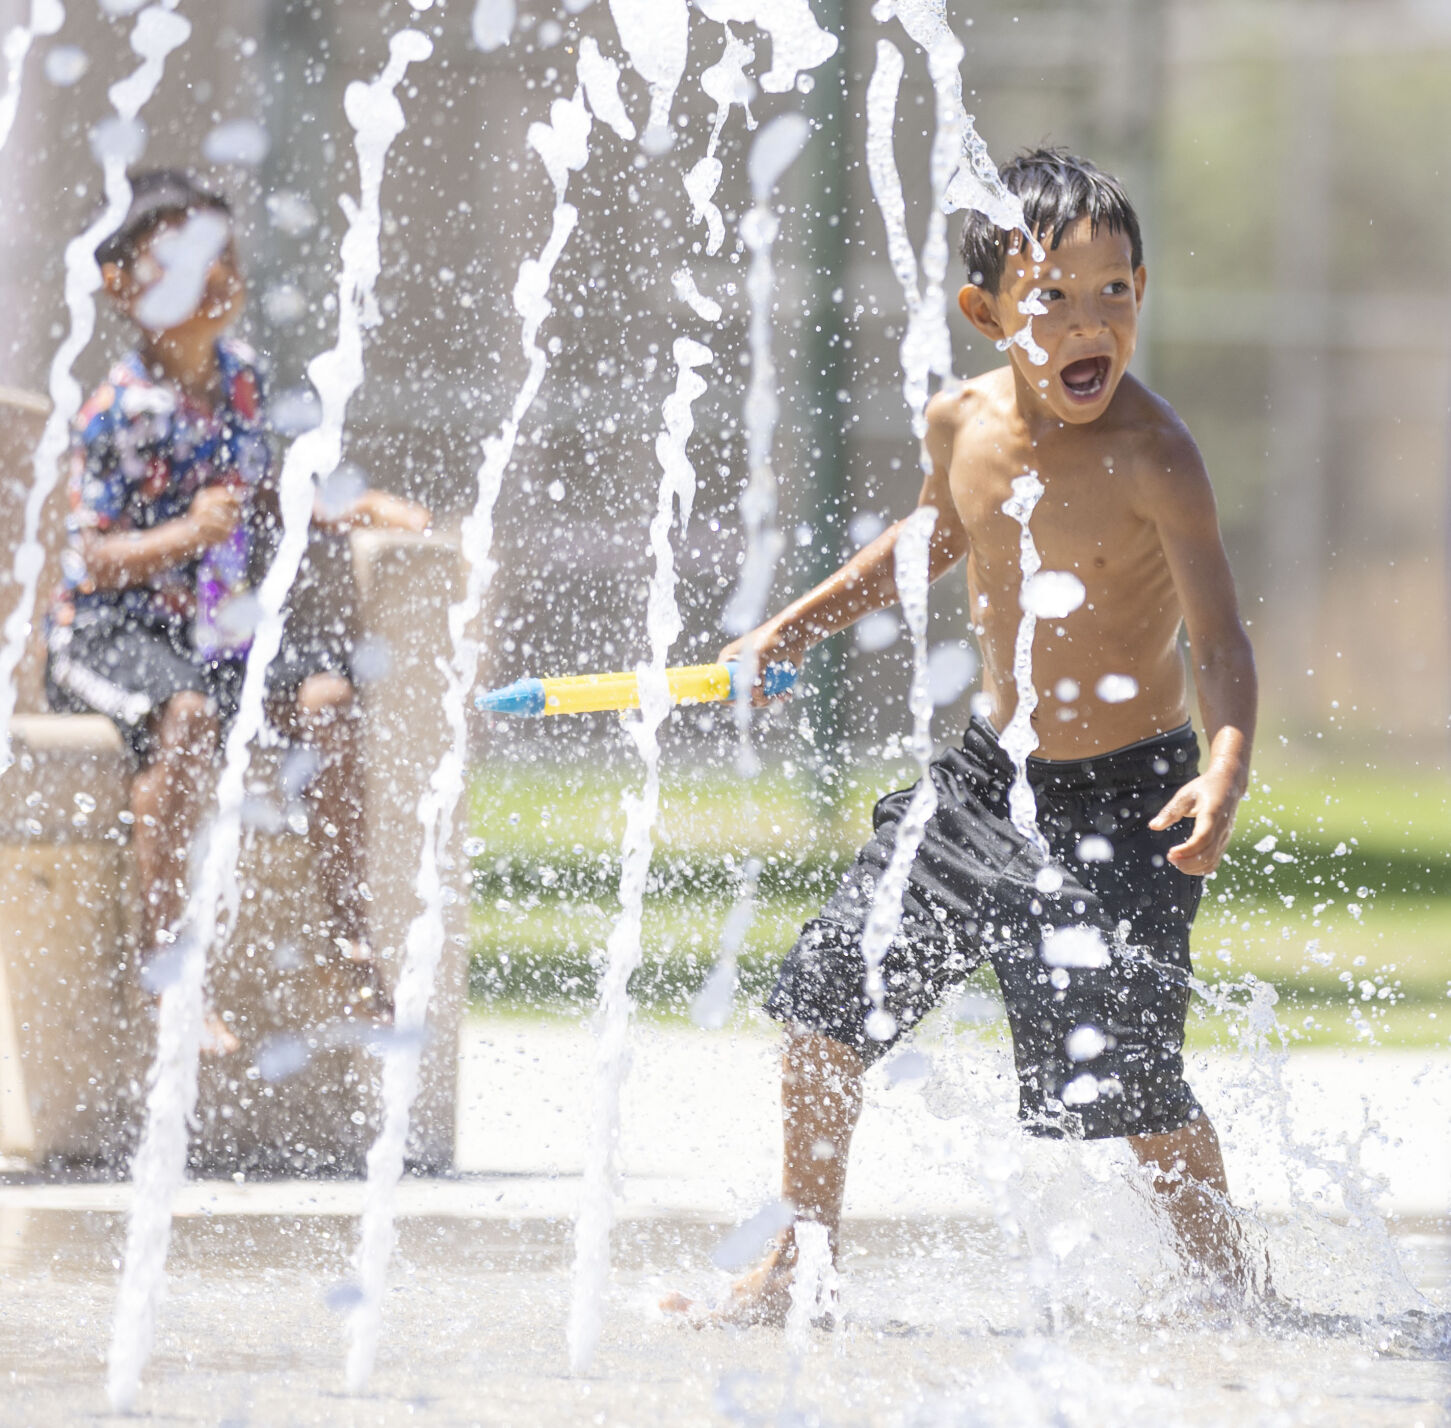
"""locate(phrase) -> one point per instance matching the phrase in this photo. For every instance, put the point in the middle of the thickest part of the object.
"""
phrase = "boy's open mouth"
(1085, 378)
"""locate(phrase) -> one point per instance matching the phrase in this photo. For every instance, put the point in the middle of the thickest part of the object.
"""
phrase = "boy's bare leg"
(1188, 1174)
(821, 1098)
(327, 722)
(166, 800)
(166, 803)
(326, 718)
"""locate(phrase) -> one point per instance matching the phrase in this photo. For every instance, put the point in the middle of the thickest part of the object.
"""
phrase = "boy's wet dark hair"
(1056, 188)
(156, 196)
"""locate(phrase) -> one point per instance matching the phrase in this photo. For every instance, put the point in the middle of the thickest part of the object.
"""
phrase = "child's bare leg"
(821, 1098)
(1188, 1173)
(327, 721)
(166, 803)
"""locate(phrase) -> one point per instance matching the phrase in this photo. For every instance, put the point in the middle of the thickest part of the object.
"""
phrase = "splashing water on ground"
(563, 147)
(159, 1167)
(623, 951)
(1047, 1210)
(773, 151)
(813, 1286)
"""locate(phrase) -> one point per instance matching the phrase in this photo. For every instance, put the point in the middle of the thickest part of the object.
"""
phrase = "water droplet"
(239, 141)
(1085, 1043)
(1052, 594)
(65, 64)
(1116, 688)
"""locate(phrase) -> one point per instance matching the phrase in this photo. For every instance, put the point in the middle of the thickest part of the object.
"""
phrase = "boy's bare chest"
(1082, 520)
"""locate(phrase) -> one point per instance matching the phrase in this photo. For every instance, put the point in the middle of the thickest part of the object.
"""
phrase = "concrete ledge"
(70, 779)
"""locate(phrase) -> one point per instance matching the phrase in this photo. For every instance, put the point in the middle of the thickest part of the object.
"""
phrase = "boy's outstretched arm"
(1181, 504)
(867, 582)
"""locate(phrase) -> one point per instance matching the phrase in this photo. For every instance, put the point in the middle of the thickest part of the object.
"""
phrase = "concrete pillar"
(404, 587)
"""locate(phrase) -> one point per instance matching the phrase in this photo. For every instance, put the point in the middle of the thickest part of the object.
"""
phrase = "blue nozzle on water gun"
(524, 697)
(775, 678)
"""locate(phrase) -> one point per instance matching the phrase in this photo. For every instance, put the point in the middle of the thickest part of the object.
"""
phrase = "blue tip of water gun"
(524, 696)
(775, 678)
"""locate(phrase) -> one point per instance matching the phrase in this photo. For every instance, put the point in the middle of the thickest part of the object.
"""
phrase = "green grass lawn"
(1347, 911)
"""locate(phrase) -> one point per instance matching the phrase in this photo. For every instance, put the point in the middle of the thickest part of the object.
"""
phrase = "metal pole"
(825, 199)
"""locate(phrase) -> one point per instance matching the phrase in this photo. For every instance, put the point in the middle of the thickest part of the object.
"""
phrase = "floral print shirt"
(141, 449)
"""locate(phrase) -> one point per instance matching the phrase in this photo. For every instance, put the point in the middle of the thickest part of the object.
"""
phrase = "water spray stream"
(917, 350)
(963, 173)
(912, 557)
(774, 149)
(623, 949)
(563, 146)
(727, 83)
(926, 346)
(1019, 739)
(46, 17)
(814, 1287)
(656, 36)
(117, 143)
(160, 1164)
(772, 153)
(654, 56)
(925, 351)
(798, 44)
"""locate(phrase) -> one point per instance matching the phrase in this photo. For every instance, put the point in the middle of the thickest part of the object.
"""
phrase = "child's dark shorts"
(1099, 1050)
(126, 666)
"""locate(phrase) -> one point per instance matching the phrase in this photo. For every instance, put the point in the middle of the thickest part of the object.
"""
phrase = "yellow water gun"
(590, 693)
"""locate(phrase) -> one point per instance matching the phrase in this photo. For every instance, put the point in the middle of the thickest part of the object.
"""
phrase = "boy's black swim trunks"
(1099, 1049)
(126, 665)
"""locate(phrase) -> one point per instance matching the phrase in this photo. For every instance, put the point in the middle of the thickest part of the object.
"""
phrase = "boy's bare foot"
(217, 1038)
(763, 1296)
(359, 980)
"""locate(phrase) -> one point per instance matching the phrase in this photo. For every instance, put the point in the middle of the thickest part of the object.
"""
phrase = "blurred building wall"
(1290, 158)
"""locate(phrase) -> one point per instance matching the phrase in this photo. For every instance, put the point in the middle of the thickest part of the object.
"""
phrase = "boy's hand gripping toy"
(589, 693)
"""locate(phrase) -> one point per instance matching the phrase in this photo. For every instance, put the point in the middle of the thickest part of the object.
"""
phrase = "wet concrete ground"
(947, 1319)
(474, 1334)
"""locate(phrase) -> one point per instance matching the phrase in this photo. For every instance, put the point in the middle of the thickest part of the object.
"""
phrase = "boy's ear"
(116, 281)
(980, 308)
(1141, 277)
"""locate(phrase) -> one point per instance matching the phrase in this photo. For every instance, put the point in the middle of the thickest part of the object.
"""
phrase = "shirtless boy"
(1127, 508)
